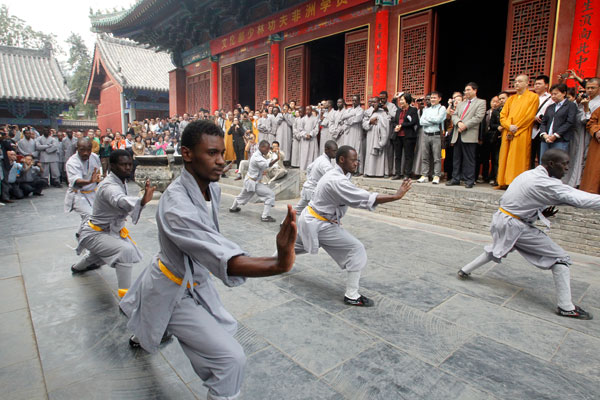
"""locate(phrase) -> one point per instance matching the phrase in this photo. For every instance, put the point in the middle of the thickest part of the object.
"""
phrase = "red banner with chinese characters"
(585, 41)
(381, 51)
(295, 16)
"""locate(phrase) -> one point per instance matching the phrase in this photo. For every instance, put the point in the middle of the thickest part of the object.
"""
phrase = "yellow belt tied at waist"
(509, 214)
(171, 275)
(84, 191)
(124, 232)
(317, 216)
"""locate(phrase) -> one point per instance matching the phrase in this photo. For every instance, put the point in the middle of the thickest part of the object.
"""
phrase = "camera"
(584, 95)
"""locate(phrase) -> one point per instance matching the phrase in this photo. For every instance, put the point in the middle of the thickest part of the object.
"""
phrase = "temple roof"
(32, 75)
(179, 25)
(135, 66)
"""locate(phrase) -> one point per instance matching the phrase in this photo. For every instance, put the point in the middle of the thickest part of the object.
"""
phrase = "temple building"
(33, 90)
(128, 82)
(230, 52)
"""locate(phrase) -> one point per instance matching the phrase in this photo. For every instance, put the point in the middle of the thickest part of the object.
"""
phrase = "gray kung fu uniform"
(314, 173)
(193, 249)
(331, 199)
(27, 147)
(283, 133)
(257, 166)
(47, 148)
(265, 129)
(112, 206)
(81, 199)
(297, 128)
(526, 197)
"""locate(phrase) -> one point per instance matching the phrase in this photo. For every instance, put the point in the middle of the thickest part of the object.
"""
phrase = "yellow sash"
(84, 191)
(171, 275)
(317, 216)
(124, 233)
(509, 214)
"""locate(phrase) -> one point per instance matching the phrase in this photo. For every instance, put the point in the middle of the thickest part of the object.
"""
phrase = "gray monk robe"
(319, 224)
(265, 128)
(377, 139)
(191, 250)
(297, 128)
(104, 234)
(283, 124)
(81, 198)
(309, 147)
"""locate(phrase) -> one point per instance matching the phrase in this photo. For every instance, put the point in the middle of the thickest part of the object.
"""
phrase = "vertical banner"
(214, 85)
(382, 19)
(274, 70)
(585, 40)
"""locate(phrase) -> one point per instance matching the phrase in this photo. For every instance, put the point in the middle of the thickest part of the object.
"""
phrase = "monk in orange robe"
(229, 151)
(517, 119)
(590, 181)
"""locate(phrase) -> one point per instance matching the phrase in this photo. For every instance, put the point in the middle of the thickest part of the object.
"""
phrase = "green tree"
(77, 79)
(15, 32)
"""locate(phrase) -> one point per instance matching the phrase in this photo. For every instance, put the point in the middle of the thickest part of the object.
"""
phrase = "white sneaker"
(436, 180)
(422, 179)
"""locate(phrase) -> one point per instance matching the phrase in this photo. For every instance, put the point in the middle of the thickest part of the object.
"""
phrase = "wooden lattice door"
(529, 36)
(261, 75)
(227, 88)
(415, 53)
(355, 64)
(296, 79)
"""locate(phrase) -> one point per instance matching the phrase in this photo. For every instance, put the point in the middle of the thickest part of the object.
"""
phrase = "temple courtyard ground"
(430, 335)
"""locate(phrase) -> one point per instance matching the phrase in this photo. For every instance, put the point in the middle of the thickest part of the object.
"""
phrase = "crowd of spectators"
(460, 139)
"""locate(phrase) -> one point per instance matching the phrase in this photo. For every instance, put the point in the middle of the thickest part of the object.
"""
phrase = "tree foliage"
(80, 63)
(15, 32)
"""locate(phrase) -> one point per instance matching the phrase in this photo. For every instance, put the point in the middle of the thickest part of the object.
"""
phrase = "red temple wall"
(109, 108)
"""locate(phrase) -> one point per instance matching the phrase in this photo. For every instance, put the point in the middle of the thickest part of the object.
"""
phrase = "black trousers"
(535, 151)
(464, 161)
(238, 148)
(31, 187)
(487, 160)
(408, 145)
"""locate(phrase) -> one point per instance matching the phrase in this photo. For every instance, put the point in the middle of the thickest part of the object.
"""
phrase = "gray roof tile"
(135, 66)
(31, 75)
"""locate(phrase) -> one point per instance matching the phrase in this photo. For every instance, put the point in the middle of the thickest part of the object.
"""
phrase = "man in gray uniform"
(84, 171)
(47, 147)
(252, 185)
(176, 291)
(315, 172)
(104, 235)
(532, 196)
(319, 224)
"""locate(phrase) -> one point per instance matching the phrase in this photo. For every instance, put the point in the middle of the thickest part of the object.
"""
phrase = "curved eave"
(137, 16)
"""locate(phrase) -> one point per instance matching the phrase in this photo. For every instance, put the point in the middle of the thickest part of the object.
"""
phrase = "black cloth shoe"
(267, 219)
(362, 301)
(80, 271)
(38, 194)
(397, 177)
(237, 209)
(469, 185)
(134, 342)
(578, 313)
(463, 275)
(452, 183)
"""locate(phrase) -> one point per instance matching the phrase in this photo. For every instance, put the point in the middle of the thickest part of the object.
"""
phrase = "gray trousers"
(51, 169)
(216, 356)
(432, 146)
(262, 191)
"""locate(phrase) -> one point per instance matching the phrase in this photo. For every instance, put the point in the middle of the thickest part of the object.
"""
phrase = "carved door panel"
(529, 37)
(355, 64)
(261, 73)
(415, 53)
(227, 88)
(296, 75)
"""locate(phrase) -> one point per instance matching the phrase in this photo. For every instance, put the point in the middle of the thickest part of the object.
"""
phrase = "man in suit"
(488, 137)
(540, 87)
(466, 120)
(558, 123)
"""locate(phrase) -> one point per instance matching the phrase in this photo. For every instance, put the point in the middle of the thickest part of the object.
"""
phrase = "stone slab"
(18, 342)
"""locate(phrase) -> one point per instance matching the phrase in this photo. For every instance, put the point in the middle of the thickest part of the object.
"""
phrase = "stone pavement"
(430, 336)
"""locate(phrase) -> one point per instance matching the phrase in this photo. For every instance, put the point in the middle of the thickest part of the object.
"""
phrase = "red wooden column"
(274, 66)
(177, 92)
(214, 83)
(382, 18)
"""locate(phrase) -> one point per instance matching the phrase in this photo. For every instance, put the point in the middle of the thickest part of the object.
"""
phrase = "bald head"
(331, 149)
(556, 162)
(84, 147)
(521, 83)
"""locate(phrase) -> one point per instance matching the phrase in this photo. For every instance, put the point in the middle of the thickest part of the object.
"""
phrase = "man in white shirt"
(540, 87)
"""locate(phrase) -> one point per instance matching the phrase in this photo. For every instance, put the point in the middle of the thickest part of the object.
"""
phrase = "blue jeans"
(556, 145)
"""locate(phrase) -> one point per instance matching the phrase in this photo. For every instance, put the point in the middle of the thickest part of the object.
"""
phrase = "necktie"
(465, 110)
